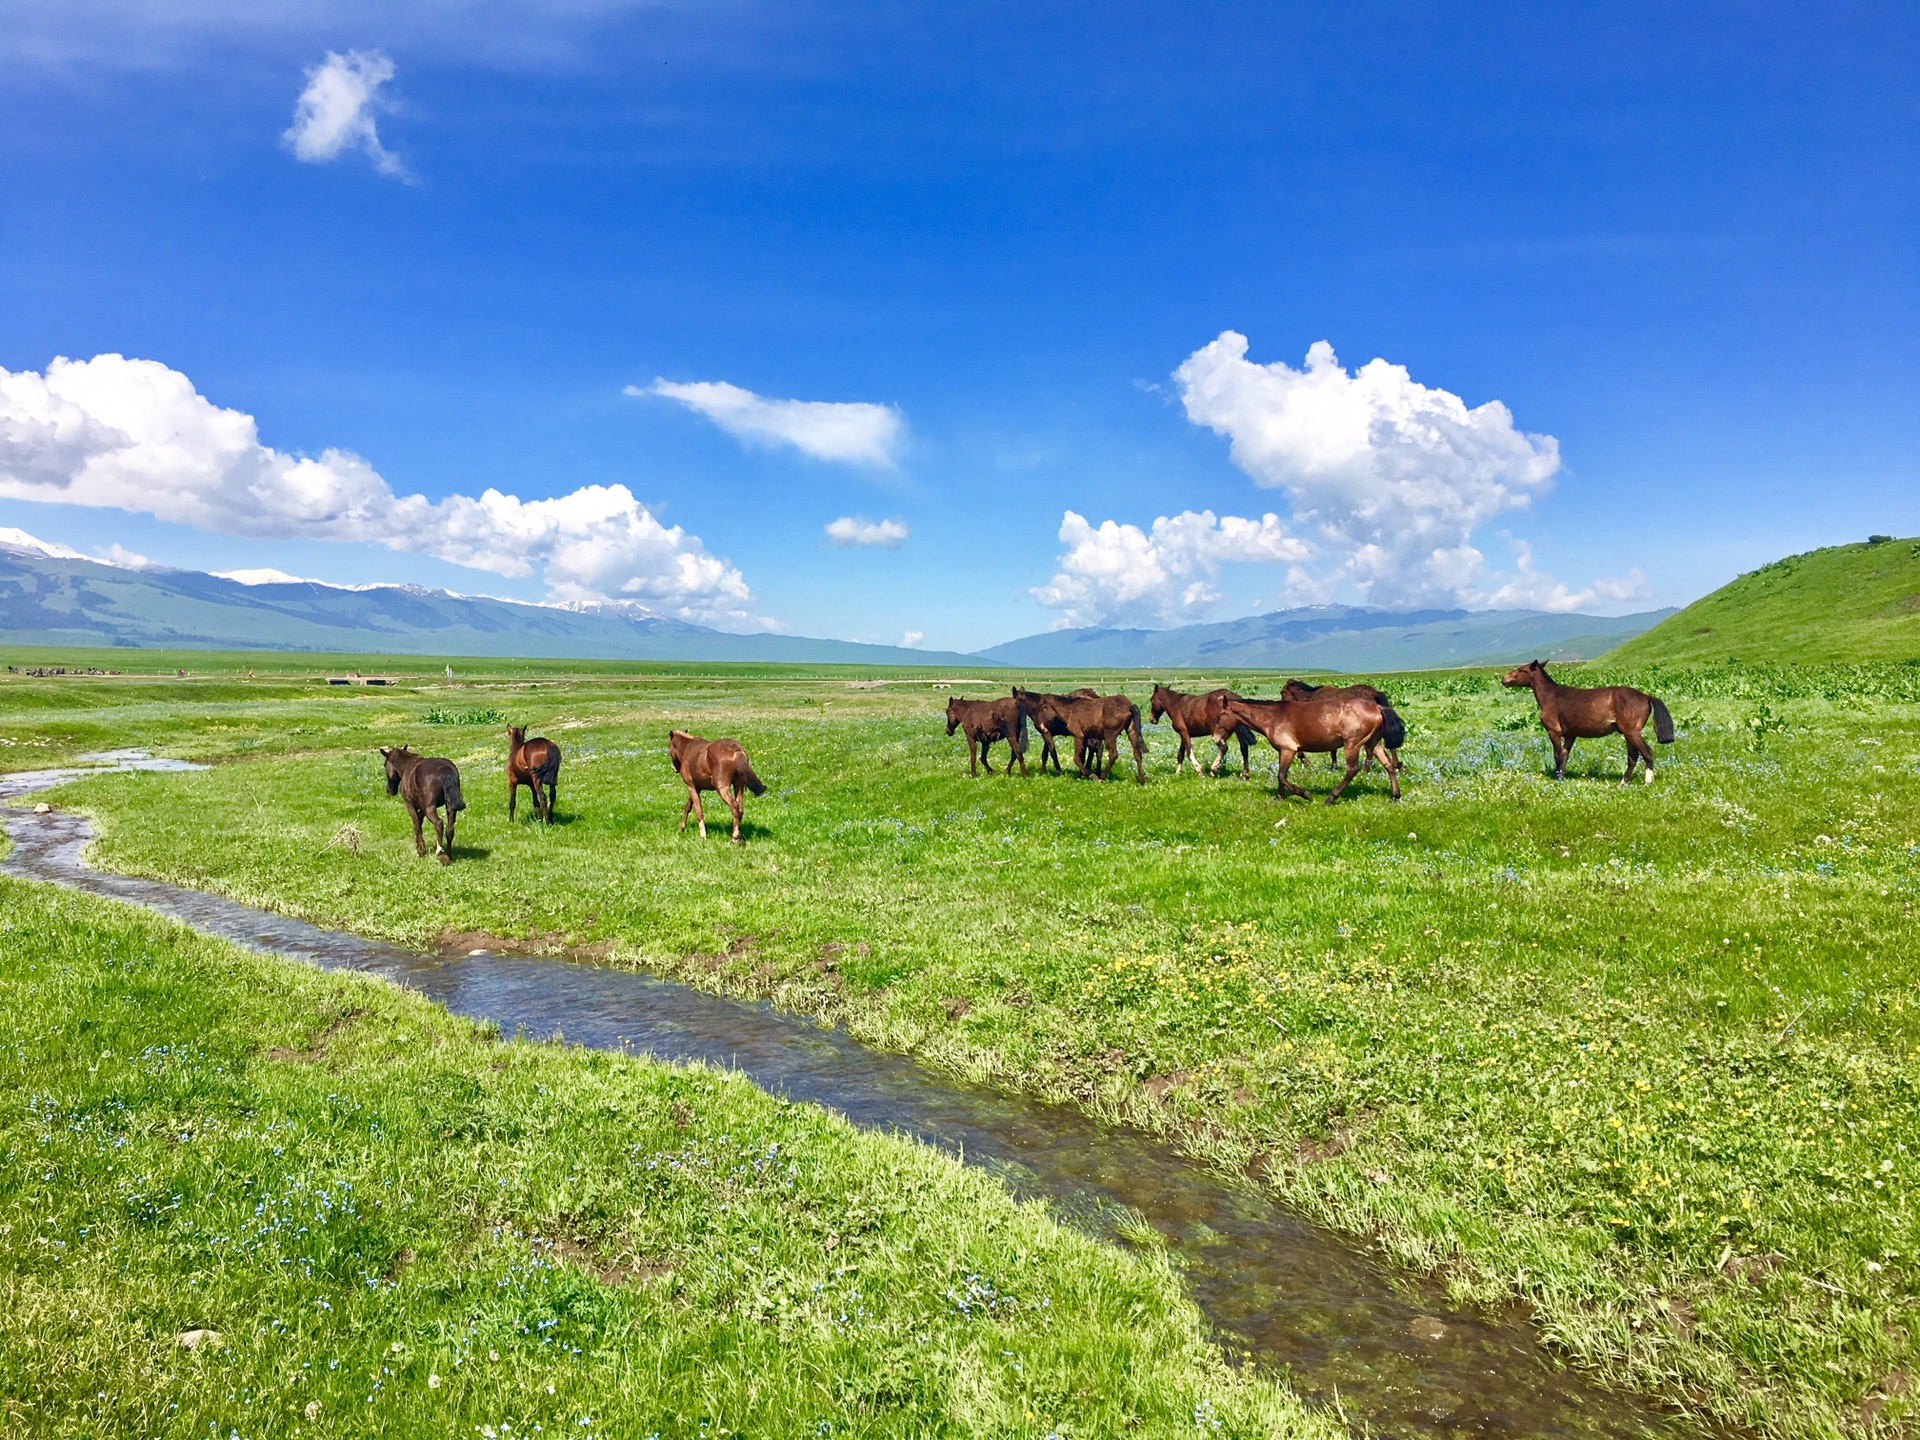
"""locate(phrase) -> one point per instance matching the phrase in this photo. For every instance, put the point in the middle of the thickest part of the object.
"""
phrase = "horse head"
(1161, 696)
(395, 759)
(516, 736)
(1521, 676)
(953, 714)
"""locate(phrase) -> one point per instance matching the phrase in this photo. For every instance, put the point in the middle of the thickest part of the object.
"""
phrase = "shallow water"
(1385, 1347)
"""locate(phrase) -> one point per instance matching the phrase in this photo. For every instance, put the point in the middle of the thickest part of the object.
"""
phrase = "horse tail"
(1393, 730)
(743, 772)
(455, 801)
(1662, 721)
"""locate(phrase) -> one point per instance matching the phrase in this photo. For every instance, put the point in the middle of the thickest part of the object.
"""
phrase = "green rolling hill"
(1846, 603)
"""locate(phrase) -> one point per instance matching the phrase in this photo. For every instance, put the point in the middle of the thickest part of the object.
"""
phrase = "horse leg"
(973, 759)
(453, 817)
(1286, 786)
(539, 798)
(419, 841)
(1246, 756)
(439, 836)
(1353, 769)
(1637, 744)
(699, 811)
(686, 810)
(1561, 748)
(553, 794)
(986, 746)
(732, 798)
(513, 797)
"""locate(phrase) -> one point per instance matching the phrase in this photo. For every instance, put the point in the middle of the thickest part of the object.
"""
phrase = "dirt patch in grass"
(316, 1048)
(455, 944)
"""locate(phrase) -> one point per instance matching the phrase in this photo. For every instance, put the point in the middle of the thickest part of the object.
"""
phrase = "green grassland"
(1646, 1058)
(394, 1223)
(1846, 603)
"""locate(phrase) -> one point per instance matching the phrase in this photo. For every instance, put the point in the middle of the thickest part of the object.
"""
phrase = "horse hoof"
(446, 859)
(1648, 777)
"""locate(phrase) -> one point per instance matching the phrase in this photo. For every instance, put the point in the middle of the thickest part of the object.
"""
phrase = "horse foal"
(717, 765)
(426, 784)
(535, 764)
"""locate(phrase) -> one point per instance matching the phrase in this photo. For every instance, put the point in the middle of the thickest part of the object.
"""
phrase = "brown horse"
(717, 765)
(1570, 713)
(535, 764)
(1355, 726)
(1095, 722)
(1054, 725)
(1202, 715)
(425, 784)
(986, 721)
(1396, 727)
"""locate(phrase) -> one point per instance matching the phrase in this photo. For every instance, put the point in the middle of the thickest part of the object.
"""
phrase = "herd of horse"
(1354, 722)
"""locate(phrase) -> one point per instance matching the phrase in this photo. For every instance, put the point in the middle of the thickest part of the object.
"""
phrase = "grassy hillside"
(1847, 603)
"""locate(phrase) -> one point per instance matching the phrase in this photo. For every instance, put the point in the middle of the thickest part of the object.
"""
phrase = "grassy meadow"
(1643, 1058)
(241, 1198)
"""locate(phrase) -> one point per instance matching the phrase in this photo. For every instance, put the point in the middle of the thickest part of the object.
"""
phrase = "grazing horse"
(535, 764)
(717, 765)
(1356, 725)
(1095, 722)
(425, 784)
(986, 721)
(1202, 715)
(1570, 713)
(1052, 726)
(1396, 727)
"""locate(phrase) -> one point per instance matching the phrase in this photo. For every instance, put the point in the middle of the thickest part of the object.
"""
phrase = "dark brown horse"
(1570, 713)
(1396, 728)
(426, 784)
(1355, 726)
(1206, 714)
(986, 721)
(1095, 722)
(717, 765)
(1054, 725)
(535, 764)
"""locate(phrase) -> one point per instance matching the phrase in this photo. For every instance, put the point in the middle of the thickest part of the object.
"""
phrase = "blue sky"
(1678, 248)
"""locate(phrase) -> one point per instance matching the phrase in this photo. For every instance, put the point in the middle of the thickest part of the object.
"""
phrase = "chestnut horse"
(1570, 713)
(717, 765)
(1356, 725)
(426, 783)
(1396, 728)
(1095, 722)
(986, 721)
(1202, 715)
(1054, 725)
(535, 764)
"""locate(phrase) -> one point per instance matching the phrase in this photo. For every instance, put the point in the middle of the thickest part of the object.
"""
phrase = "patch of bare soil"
(456, 943)
(583, 1255)
(316, 1047)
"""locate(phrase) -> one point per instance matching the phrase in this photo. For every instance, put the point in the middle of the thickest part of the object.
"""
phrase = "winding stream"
(1384, 1347)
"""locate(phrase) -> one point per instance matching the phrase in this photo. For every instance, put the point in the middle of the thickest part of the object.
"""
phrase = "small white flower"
(433, 1382)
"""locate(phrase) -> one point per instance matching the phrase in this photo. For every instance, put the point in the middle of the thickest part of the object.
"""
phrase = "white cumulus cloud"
(135, 435)
(855, 432)
(1532, 589)
(1116, 573)
(1392, 477)
(335, 113)
(912, 638)
(858, 530)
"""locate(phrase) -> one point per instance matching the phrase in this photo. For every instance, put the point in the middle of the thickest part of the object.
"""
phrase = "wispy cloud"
(855, 432)
(335, 113)
(135, 435)
(857, 530)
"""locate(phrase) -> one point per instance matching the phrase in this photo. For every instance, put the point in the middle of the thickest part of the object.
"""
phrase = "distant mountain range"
(50, 595)
(1335, 638)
